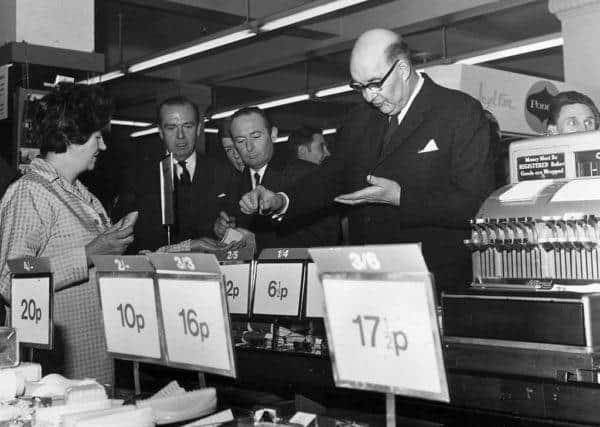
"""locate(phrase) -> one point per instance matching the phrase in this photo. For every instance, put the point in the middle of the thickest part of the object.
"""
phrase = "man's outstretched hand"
(261, 200)
(380, 190)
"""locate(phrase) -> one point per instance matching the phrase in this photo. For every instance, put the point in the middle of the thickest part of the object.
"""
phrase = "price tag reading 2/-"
(196, 324)
(277, 289)
(130, 316)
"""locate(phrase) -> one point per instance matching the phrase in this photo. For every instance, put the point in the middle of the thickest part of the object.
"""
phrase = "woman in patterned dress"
(49, 213)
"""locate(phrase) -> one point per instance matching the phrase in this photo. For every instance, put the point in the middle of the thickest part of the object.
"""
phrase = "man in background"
(571, 112)
(253, 135)
(309, 144)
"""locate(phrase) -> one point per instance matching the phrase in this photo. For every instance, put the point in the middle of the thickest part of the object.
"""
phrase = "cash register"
(533, 307)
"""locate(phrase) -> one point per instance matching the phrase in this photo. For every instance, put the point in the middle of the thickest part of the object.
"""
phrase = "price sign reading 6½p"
(277, 289)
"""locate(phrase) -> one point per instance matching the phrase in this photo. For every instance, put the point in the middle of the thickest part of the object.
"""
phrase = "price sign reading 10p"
(381, 321)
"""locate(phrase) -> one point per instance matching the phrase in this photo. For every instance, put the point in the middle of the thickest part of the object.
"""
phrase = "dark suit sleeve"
(452, 202)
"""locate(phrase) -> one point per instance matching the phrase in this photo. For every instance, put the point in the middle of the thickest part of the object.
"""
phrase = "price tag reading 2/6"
(30, 313)
(237, 287)
(277, 289)
(195, 324)
(130, 316)
(381, 335)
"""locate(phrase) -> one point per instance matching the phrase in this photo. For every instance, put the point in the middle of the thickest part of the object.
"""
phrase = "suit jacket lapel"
(412, 120)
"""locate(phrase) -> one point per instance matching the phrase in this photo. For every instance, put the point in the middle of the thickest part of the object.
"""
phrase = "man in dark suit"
(253, 135)
(196, 177)
(423, 152)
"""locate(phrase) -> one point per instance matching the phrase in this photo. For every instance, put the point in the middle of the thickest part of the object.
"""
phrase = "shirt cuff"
(286, 204)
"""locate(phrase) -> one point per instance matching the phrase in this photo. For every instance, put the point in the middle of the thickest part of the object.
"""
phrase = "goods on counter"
(181, 406)
(9, 347)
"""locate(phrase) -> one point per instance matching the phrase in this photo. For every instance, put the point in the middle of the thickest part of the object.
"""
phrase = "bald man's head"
(380, 65)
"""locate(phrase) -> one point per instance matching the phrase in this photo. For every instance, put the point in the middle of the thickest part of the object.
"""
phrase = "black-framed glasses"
(375, 85)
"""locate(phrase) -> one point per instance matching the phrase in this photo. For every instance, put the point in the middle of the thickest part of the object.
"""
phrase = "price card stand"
(193, 311)
(237, 267)
(32, 297)
(129, 309)
(381, 321)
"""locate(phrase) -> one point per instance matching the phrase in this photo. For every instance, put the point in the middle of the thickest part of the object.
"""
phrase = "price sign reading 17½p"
(381, 323)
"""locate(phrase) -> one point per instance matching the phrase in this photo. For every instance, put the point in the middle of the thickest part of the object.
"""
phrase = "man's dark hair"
(398, 49)
(178, 100)
(569, 98)
(302, 136)
(252, 110)
(69, 114)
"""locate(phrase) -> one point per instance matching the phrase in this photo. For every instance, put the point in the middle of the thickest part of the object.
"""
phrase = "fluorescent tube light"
(103, 78)
(333, 91)
(513, 49)
(129, 123)
(211, 130)
(281, 139)
(329, 131)
(223, 114)
(283, 101)
(203, 46)
(144, 132)
(306, 14)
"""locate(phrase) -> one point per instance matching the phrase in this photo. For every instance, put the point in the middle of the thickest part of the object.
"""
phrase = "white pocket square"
(431, 146)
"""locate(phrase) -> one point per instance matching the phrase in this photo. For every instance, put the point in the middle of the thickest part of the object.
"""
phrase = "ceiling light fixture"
(514, 49)
(333, 91)
(219, 40)
(329, 131)
(129, 123)
(111, 75)
(155, 130)
(211, 130)
(223, 114)
(281, 139)
(264, 105)
(304, 13)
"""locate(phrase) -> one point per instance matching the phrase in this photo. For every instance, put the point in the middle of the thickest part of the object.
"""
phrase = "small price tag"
(314, 292)
(196, 324)
(31, 312)
(278, 288)
(237, 287)
(185, 263)
(130, 316)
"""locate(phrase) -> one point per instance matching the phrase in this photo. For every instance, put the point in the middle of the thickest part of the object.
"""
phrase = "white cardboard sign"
(314, 292)
(237, 287)
(30, 313)
(195, 324)
(383, 336)
(130, 316)
(277, 289)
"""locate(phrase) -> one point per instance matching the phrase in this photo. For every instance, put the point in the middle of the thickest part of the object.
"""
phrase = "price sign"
(196, 324)
(130, 316)
(237, 287)
(314, 292)
(382, 326)
(277, 289)
(31, 301)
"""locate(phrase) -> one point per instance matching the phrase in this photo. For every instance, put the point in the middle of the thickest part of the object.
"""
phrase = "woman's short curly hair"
(69, 114)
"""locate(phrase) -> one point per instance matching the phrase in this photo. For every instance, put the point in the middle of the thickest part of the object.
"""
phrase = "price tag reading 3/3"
(130, 316)
(277, 289)
(30, 313)
(196, 324)
(314, 292)
(381, 334)
(237, 287)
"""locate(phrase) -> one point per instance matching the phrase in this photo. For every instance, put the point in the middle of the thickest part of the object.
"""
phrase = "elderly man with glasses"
(414, 165)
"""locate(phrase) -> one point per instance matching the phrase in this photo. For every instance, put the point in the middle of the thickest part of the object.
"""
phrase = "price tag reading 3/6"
(195, 323)
(237, 286)
(381, 334)
(30, 313)
(277, 289)
(314, 292)
(130, 316)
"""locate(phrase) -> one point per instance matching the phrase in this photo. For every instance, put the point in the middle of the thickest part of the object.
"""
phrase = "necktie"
(389, 132)
(185, 177)
(256, 179)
